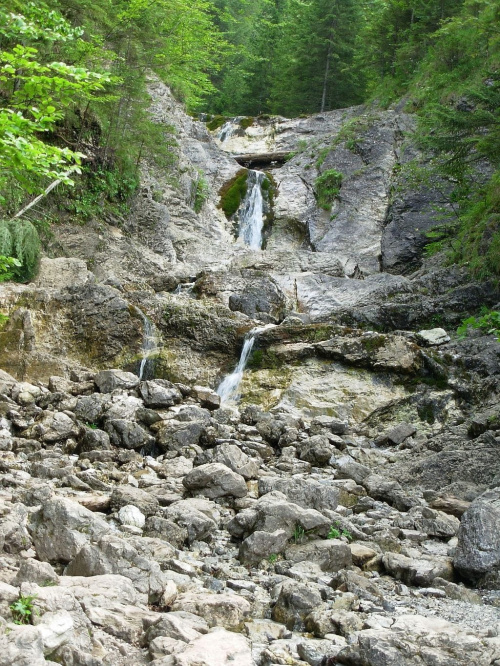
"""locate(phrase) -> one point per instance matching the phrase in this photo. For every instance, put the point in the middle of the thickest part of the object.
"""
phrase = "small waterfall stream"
(150, 341)
(251, 216)
(228, 388)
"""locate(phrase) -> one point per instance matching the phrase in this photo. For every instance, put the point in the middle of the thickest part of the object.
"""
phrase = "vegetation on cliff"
(74, 101)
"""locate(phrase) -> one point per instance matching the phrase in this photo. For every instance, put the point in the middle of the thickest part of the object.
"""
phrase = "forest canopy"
(74, 74)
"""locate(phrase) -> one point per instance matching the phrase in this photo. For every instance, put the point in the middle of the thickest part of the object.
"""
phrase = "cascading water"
(227, 130)
(228, 388)
(251, 216)
(150, 340)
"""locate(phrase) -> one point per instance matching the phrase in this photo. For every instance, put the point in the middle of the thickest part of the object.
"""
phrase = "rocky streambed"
(346, 510)
(143, 524)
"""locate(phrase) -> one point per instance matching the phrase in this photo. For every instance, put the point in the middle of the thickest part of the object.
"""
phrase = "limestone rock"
(62, 527)
(221, 610)
(215, 480)
(478, 549)
(109, 380)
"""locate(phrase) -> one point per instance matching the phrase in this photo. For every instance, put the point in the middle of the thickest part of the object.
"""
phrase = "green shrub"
(201, 193)
(22, 609)
(327, 188)
(489, 322)
(19, 240)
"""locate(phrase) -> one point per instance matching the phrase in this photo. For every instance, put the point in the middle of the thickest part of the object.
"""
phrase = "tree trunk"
(327, 69)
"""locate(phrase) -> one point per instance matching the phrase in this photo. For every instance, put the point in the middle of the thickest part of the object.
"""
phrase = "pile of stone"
(141, 523)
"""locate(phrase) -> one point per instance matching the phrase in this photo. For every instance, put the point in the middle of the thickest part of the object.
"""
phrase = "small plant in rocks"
(272, 558)
(22, 609)
(298, 534)
(335, 533)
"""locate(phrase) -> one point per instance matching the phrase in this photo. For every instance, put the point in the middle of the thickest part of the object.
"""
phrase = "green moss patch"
(327, 188)
(246, 122)
(216, 122)
(233, 193)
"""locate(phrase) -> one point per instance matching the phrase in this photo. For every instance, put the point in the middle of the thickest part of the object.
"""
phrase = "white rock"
(433, 336)
(217, 648)
(56, 629)
(130, 515)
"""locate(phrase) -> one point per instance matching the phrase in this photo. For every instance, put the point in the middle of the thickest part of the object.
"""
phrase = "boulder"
(221, 610)
(215, 480)
(60, 528)
(420, 572)
(295, 601)
(478, 548)
(109, 380)
(433, 337)
(122, 496)
(316, 450)
(128, 434)
(307, 493)
(160, 393)
(329, 554)
(113, 555)
(217, 648)
(260, 545)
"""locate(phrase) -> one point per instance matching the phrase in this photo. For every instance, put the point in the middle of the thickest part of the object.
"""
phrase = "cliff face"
(382, 429)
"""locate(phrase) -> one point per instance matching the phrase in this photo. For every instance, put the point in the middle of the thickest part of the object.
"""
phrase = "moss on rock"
(233, 192)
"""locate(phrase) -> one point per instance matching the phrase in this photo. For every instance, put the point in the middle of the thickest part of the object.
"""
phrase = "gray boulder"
(259, 545)
(160, 393)
(128, 495)
(215, 480)
(113, 555)
(109, 380)
(307, 493)
(295, 601)
(316, 450)
(128, 434)
(60, 528)
(478, 549)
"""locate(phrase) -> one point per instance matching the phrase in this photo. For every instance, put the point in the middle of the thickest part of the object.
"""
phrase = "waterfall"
(184, 289)
(227, 130)
(228, 388)
(251, 215)
(150, 340)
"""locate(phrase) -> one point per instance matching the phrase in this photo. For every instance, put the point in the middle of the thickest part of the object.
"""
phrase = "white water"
(251, 215)
(184, 289)
(149, 342)
(228, 129)
(228, 388)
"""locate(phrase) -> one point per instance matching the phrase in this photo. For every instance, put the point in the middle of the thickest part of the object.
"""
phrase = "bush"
(327, 188)
(19, 240)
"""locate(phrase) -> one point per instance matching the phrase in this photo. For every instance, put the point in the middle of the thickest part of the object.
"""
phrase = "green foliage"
(233, 193)
(327, 187)
(298, 534)
(101, 190)
(246, 122)
(201, 192)
(333, 533)
(488, 322)
(273, 558)
(336, 532)
(8, 267)
(20, 240)
(3, 318)
(22, 609)
(215, 122)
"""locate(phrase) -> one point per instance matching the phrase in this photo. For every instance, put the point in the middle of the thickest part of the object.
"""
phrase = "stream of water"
(251, 214)
(228, 388)
(149, 344)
